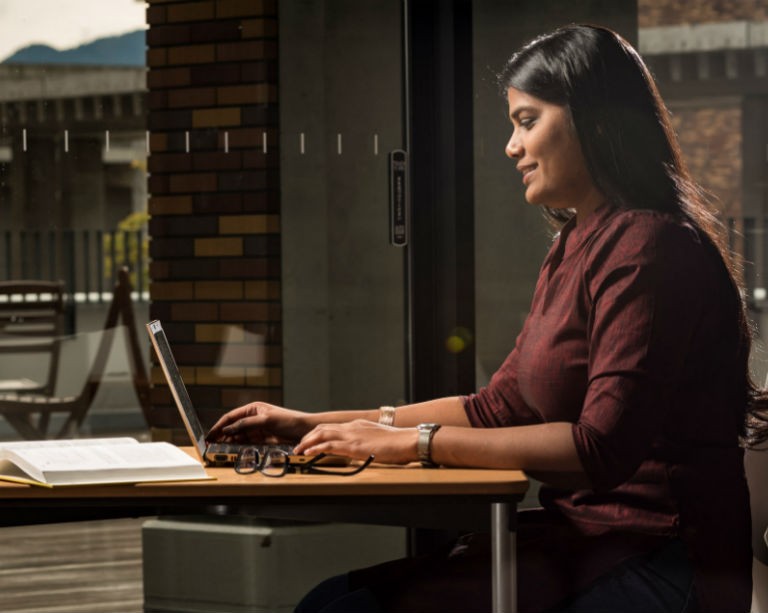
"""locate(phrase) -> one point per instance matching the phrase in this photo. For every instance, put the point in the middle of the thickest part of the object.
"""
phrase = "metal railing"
(86, 260)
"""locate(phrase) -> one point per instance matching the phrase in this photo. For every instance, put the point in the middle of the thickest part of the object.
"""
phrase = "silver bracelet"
(386, 416)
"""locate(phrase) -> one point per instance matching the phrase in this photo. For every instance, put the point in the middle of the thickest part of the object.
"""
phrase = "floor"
(84, 567)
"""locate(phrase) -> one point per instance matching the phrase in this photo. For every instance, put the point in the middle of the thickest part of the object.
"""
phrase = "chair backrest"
(32, 322)
(756, 468)
(121, 307)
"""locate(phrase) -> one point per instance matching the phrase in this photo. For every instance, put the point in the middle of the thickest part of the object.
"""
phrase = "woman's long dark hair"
(630, 148)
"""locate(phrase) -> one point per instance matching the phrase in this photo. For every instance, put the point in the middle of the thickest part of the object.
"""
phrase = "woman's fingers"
(233, 422)
(358, 440)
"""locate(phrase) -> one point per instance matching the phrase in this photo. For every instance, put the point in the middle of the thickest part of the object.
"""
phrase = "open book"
(95, 461)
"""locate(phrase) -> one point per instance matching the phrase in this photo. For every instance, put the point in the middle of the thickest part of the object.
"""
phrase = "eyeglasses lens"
(247, 461)
(275, 464)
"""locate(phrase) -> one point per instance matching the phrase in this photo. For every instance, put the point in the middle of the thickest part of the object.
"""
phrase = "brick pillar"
(214, 201)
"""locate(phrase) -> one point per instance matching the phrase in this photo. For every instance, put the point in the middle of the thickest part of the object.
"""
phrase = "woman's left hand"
(360, 438)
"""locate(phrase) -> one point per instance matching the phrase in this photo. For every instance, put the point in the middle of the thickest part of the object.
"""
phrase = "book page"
(71, 442)
(106, 463)
(88, 458)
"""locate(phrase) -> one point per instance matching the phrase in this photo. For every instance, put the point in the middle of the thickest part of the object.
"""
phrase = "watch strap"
(424, 444)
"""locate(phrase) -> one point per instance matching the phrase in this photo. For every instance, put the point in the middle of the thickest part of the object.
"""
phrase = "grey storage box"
(247, 565)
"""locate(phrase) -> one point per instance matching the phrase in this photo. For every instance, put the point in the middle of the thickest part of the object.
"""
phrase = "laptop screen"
(178, 389)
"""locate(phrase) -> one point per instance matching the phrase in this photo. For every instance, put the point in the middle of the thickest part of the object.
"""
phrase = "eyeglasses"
(276, 463)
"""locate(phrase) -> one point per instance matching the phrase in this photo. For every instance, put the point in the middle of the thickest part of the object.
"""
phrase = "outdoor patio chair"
(30, 413)
(31, 327)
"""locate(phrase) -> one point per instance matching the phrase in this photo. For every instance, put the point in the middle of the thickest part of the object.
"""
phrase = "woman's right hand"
(259, 422)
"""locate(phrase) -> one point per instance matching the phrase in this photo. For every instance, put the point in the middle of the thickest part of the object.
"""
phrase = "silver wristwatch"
(424, 444)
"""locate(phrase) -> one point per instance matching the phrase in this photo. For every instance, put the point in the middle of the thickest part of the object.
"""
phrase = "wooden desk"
(405, 496)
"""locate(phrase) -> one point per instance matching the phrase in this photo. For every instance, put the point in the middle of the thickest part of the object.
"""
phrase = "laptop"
(213, 454)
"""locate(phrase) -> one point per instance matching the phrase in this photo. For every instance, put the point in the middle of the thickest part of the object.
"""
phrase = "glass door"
(341, 100)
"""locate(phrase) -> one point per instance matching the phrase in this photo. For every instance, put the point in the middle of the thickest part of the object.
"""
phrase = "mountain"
(123, 50)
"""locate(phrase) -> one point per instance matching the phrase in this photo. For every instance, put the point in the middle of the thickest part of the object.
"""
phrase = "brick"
(249, 311)
(218, 203)
(200, 182)
(257, 159)
(199, 139)
(249, 268)
(216, 31)
(261, 202)
(158, 184)
(249, 224)
(169, 162)
(194, 268)
(192, 54)
(246, 137)
(262, 290)
(248, 50)
(215, 216)
(219, 333)
(170, 205)
(157, 99)
(218, 247)
(161, 78)
(157, 57)
(216, 74)
(192, 97)
(164, 35)
(183, 225)
(217, 161)
(170, 290)
(244, 180)
(156, 376)
(156, 15)
(259, 28)
(161, 311)
(260, 93)
(263, 245)
(180, 332)
(711, 140)
(238, 8)
(159, 270)
(191, 11)
(250, 354)
(161, 247)
(259, 70)
(170, 120)
(233, 397)
(264, 377)
(670, 12)
(158, 141)
(196, 353)
(194, 311)
(219, 290)
(216, 117)
(221, 375)
(271, 332)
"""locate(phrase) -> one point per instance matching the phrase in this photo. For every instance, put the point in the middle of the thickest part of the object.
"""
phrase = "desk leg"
(504, 572)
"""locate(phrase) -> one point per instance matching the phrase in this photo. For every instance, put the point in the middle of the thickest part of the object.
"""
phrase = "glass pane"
(73, 183)
(340, 114)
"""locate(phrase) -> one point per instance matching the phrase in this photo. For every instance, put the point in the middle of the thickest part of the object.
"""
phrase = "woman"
(627, 392)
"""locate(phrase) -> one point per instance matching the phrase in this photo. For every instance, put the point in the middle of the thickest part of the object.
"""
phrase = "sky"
(64, 24)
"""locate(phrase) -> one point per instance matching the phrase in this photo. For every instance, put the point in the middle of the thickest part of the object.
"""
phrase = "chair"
(756, 466)
(31, 325)
(29, 413)
(756, 469)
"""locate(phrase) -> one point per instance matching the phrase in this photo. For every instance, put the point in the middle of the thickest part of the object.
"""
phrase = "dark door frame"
(440, 272)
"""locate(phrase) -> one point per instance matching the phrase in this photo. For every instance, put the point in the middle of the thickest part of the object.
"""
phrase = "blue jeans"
(661, 581)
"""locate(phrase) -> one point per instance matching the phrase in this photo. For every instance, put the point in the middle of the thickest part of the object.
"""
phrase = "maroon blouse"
(633, 337)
